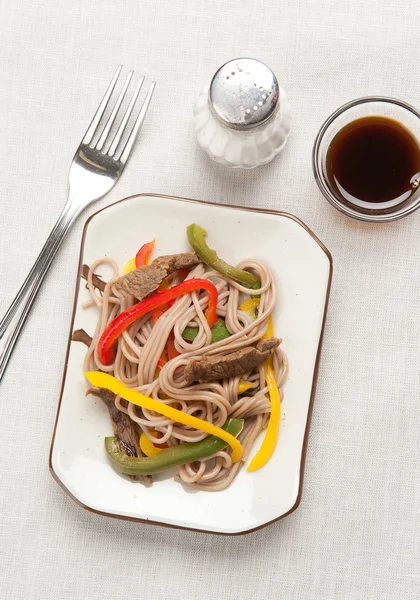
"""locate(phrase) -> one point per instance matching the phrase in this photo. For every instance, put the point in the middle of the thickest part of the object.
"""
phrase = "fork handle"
(12, 322)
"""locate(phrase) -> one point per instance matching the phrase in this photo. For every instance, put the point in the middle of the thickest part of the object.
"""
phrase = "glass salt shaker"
(242, 118)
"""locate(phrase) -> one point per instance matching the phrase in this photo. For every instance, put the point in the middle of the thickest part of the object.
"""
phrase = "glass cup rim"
(319, 177)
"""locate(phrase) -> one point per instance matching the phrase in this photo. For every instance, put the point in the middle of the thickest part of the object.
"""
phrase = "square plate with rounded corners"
(303, 268)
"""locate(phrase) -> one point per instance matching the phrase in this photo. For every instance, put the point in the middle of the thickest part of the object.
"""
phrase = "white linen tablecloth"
(356, 533)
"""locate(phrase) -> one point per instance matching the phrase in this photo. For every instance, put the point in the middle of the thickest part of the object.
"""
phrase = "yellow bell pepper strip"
(129, 266)
(142, 256)
(271, 435)
(252, 391)
(243, 386)
(103, 380)
(250, 307)
(173, 456)
(270, 329)
(196, 235)
(250, 304)
(147, 446)
(106, 350)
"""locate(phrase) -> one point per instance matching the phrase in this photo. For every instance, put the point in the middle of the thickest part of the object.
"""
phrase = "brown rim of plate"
(314, 380)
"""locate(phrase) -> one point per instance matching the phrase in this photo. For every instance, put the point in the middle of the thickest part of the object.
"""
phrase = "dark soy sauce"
(374, 160)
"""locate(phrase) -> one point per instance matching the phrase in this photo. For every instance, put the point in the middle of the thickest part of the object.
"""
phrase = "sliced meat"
(124, 428)
(96, 280)
(80, 335)
(231, 365)
(177, 262)
(143, 281)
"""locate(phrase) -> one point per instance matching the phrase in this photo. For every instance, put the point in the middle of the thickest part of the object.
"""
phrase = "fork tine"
(120, 131)
(98, 115)
(112, 116)
(137, 125)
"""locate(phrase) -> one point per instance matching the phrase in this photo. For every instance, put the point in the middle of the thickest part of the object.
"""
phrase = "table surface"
(356, 533)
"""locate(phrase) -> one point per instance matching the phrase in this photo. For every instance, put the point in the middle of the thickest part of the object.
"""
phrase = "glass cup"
(364, 107)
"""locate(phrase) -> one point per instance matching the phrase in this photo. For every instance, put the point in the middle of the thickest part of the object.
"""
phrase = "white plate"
(303, 267)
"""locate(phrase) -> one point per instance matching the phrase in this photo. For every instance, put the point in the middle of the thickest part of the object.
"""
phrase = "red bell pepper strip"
(107, 340)
(169, 351)
(158, 312)
(158, 435)
(162, 360)
(142, 256)
(165, 285)
(170, 345)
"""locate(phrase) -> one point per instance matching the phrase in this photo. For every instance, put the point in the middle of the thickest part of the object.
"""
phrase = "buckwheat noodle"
(141, 345)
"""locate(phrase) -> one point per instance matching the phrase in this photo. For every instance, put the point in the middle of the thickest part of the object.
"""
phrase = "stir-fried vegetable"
(190, 333)
(244, 386)
(173, 456)
(103, 380)
(252, 391)
(270, 439)
(219, 332)
(256, 286)
(142, 256)
(196, 235)
(147, 446)
(158, 312)
(170, 345)
(250, 307)
(162, 360)
(108, 338)
(129, 266)
(169, 351)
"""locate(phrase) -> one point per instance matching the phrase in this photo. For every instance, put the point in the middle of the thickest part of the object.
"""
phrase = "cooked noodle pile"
(141, 345)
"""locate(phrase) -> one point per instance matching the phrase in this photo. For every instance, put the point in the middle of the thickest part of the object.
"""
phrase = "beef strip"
(96, 280)
(233, 364)
(143, 281)
(177, 262)
(80, 335)
(124, 428)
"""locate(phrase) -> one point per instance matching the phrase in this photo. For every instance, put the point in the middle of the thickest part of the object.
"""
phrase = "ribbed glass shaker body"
(242, 118)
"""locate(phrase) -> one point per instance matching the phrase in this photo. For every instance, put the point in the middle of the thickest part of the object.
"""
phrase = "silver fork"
(95, 169)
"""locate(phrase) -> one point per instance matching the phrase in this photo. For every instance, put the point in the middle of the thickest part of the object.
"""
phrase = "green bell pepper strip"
(169, 457)
(190, 333)
(196, 235)
(256, 286)
(219, 332)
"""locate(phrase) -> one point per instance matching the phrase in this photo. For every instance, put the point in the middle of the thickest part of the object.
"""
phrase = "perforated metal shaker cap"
(244, 93)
